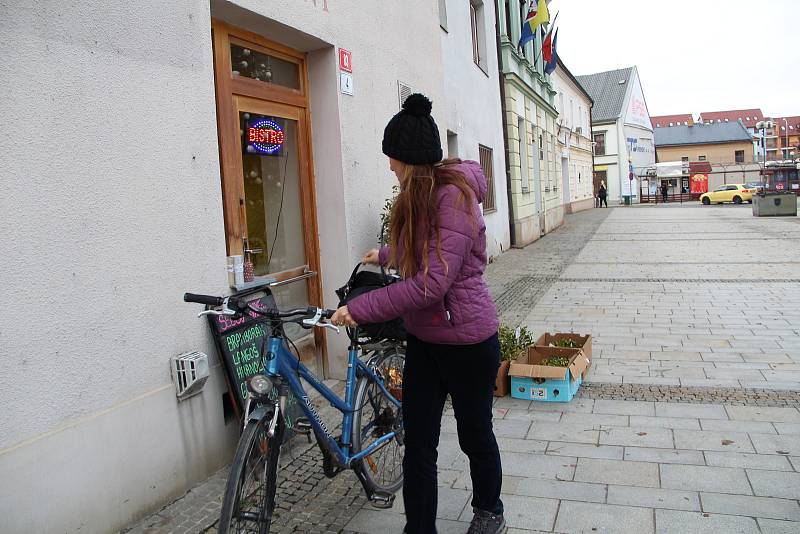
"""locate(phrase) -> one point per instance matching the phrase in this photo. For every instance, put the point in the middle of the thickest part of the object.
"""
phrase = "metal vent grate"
(189, 372)
(403, 92)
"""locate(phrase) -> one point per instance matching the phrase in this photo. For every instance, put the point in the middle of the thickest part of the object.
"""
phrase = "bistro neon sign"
(265, 136)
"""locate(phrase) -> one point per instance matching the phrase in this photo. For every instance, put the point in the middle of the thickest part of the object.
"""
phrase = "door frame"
(232, 92)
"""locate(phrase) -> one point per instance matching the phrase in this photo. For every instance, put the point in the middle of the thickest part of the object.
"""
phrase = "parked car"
(736, 193)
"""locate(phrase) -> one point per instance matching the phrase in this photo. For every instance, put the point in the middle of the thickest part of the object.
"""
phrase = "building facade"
(574, 107)
(749, 118)
(727, 147)
(534, 166)
(187, 133)
(788, 138)
(472, 109)
(624, 152)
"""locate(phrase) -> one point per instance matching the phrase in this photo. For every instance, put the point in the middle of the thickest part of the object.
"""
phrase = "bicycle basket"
(361, 282)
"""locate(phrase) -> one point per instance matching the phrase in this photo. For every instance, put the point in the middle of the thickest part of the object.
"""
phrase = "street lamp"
(786, 129)
(763, 126)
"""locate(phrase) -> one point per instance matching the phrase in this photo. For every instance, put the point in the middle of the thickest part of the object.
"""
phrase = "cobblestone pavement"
(690, 418)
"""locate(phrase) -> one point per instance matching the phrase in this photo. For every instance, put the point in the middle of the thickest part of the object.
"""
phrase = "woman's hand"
(342, 317)
(372, 257)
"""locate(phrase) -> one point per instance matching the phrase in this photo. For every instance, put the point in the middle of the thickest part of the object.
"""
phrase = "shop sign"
(264, 136)
(699, 183)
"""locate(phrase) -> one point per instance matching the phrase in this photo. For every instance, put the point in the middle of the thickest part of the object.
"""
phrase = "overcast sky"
(692, 55)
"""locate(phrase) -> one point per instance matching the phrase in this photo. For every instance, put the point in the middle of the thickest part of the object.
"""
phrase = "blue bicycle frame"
(280, 361)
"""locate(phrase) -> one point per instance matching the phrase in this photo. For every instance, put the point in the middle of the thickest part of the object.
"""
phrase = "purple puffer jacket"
(450, 306)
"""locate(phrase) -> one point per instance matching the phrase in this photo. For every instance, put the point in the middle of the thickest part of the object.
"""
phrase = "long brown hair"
(416, 213)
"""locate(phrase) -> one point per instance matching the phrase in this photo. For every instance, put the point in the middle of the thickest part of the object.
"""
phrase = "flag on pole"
(551, 65)
(537, 15)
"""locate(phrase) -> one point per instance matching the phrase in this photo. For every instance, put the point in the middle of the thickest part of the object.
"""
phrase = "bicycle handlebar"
(239, 305)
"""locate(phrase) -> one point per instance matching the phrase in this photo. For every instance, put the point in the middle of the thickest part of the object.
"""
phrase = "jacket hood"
(475, 178)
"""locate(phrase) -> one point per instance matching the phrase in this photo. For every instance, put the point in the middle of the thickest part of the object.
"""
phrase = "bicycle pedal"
(303, 426)
(381, 500)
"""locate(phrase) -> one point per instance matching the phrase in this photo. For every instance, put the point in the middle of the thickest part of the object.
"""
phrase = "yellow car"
(736, 193)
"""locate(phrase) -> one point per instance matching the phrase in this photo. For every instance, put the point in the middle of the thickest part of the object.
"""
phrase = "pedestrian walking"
(602, 195)
(438, 244)
(664, 191)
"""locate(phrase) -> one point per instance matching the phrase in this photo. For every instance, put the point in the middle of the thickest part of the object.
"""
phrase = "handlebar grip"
(328, 313)
(208, 300)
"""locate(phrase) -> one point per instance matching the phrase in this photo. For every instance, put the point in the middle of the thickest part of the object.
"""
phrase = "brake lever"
(316, 321)
(224, 311)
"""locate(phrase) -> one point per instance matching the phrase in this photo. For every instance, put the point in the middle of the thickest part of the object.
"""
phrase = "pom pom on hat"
(417, 105)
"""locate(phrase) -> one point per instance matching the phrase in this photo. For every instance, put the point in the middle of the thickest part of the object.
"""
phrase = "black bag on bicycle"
(361, 282)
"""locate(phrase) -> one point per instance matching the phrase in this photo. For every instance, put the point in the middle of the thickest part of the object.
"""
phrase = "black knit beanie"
(412, 136)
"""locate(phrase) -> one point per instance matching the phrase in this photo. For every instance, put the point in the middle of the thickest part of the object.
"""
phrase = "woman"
(602, 194)
(438, 244)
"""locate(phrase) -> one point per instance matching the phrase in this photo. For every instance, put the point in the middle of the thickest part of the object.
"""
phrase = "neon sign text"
(265, 136)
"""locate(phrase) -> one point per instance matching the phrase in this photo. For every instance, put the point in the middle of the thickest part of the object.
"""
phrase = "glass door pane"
(272, 203)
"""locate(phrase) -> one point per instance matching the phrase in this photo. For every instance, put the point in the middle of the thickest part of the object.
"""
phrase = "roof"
(792, 122)
(571, 77)
(749, 117)
(661, 121)
(702, 134)
(607, 92)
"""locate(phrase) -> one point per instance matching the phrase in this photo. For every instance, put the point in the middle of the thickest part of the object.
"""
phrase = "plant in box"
(513, 342)
(547, 374)
(568, 340)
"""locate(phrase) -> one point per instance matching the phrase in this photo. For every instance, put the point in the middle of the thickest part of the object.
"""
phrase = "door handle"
(304, 276)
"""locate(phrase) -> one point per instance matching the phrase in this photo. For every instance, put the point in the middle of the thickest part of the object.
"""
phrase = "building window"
(478, 33)
(701, 158)
(443, 14)
(523, 155)
(685, 159)
(739, 155)
(600, 144)
(485, 157)
(541, 148)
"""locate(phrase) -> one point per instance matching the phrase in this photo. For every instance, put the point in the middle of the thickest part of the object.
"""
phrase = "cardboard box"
(584, 342)
(502, 382)
(530, 380)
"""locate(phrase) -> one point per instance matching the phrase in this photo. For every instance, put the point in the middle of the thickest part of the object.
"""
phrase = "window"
(541, 148)
(739, 155)
(509, 33)
(701, 158)
(485, 157)
(443, 14)
(523, 155)
(478, 33)
(452, 144)
(685, 159)
(600, 144)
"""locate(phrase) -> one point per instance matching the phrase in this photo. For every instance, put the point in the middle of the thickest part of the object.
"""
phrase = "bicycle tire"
(375, 416)
(256, 458)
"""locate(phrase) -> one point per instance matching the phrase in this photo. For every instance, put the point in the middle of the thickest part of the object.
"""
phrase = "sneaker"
(487, 523)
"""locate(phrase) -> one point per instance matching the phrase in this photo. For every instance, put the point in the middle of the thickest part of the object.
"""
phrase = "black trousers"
(603, 201)
(467, 373)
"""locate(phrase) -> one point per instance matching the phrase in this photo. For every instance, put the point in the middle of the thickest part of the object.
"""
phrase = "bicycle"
(372, 433)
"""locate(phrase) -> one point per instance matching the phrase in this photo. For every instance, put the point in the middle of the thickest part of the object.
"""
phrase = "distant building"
(727, 146)
(621, 131)
(664, 121)
(574, 140)
(788, 140)
(748, 117)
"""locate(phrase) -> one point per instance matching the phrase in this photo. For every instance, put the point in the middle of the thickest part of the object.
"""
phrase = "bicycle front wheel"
(250, 492)
(375, 417)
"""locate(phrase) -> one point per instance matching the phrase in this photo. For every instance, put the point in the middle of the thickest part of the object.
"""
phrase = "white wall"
(112, 209)
(473, 106)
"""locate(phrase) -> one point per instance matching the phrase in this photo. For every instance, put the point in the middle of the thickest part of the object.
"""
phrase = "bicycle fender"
(260, 412)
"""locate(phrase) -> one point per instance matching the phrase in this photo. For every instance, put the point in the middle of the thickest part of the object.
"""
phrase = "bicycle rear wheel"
(376, 416)
(250, 492)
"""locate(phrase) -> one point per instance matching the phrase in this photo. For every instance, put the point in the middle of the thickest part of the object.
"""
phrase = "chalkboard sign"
(242, 344)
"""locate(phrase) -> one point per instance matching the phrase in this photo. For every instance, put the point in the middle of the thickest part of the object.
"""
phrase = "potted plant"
(513, 342)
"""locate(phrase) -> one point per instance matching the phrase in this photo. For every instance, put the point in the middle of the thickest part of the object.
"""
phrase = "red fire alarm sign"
(345, 60)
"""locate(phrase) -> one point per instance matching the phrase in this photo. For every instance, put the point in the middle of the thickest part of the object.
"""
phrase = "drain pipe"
(501, 79)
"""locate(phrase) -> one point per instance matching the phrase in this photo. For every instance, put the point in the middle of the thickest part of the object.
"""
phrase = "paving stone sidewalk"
(689, 420)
